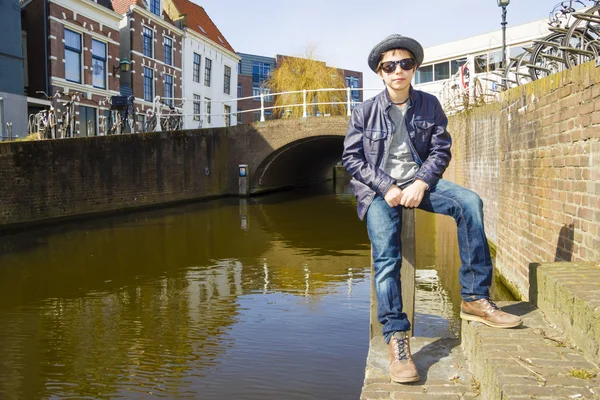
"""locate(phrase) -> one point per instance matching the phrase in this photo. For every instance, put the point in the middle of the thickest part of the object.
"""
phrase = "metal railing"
(161, 104)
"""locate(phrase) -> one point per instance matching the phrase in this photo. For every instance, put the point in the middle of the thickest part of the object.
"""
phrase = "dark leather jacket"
(370, 132)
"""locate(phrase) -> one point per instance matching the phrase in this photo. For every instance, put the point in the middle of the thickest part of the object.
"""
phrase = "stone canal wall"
(534, 157)
(51, 179)
(45, 180)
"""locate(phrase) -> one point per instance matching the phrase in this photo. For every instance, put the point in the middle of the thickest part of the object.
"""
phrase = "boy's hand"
(393, 196)
(413, 194)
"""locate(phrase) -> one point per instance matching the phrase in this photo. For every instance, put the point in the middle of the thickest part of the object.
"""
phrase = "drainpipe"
(46, 61)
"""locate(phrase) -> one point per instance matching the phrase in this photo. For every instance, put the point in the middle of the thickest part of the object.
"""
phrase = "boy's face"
(398, 79)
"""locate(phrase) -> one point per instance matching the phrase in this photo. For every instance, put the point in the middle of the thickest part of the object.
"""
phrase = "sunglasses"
(390, 66)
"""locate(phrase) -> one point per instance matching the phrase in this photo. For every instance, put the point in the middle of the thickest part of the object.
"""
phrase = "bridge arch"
(295, 152)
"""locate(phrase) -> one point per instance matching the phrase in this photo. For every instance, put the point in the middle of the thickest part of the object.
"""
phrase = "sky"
(342, 33)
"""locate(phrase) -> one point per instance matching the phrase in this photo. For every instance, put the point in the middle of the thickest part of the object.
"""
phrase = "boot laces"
(401, 349)
(490, 305)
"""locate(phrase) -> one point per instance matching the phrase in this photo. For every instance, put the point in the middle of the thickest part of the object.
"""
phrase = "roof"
(198, 20)
(122, 6)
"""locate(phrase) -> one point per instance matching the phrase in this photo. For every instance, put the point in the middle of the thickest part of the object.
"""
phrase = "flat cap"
(395, 41)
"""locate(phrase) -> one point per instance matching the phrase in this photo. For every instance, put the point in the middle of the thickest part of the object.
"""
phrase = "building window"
(227, 80)
(72, 56)
(239, 116)
(239, 94)
(87, 121)
(155, 7)
(196, 71)
(98, 64)
(255, 93)
(353, 82)
(168, 44)
(148, 84)
(456, 64)
(141, 122)
(207, 68)
(169, 89)
(207, 101)
(227, 111)
(148, 35)
(441, 71)
(495, 60)
(267, 93)
(197, 105)
(424, 74)
(240, 67)
(260, 72)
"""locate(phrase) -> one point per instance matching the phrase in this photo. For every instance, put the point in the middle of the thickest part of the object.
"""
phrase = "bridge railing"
(161, 108)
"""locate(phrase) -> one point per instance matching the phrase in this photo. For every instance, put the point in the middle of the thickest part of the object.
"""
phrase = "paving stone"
(554, 391)
(416, 396)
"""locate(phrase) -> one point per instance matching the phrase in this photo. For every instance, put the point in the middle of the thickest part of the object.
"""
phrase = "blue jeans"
(384, 224)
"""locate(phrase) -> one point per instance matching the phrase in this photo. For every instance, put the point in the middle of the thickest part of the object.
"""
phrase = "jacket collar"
(384, 98)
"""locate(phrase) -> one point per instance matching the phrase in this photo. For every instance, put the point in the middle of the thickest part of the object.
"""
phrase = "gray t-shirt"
(400, 164)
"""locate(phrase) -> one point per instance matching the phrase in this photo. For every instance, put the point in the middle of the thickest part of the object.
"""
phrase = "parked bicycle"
(67, 120)
(122, 115)
(172, 121)
(47, 121)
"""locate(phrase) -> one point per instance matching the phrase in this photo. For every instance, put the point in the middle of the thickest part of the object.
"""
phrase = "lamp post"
(503, 4)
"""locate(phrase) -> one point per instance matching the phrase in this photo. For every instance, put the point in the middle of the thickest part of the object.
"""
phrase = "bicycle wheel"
(517, 73)
(546, 57)
(131, 117)
(582, 41)
(150, 124)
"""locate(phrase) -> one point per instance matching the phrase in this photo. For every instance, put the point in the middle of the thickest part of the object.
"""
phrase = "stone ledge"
(441, 364)
(535, 369)
(569, 296)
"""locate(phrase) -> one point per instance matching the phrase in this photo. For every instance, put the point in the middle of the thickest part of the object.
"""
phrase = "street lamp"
(503, 4)
(124, 66)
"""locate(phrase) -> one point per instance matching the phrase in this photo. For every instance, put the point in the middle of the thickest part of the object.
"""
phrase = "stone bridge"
(289, 152)
(49, 179)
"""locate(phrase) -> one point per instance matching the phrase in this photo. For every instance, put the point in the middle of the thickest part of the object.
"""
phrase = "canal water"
(261, 298)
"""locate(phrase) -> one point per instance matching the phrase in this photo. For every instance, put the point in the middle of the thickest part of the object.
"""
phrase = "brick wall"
(535, 160)
(44, 180)
(64, 178)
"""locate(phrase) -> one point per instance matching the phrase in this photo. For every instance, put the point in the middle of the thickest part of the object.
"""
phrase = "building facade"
(253, 71)
(484, 51)
(72, 47)
(153, 45)
(210, 68)
(13, 103)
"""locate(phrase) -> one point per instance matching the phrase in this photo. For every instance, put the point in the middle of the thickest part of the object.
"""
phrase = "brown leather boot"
(485, 311)
(402, 367)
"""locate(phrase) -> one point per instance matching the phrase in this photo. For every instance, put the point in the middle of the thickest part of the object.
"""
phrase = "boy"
(397, 148)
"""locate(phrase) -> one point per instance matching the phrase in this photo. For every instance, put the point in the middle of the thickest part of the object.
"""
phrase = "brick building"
(72, 46)
(209, 68)
(153, 45)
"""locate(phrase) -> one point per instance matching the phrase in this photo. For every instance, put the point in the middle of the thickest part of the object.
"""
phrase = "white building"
(210, 68)
(483, 53)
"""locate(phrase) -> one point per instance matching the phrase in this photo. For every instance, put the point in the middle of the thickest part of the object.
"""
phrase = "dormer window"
(155, 7)
(202, 29)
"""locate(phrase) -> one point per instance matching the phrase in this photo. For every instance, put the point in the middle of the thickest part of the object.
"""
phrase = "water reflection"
(261, 298)
(181, 303)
